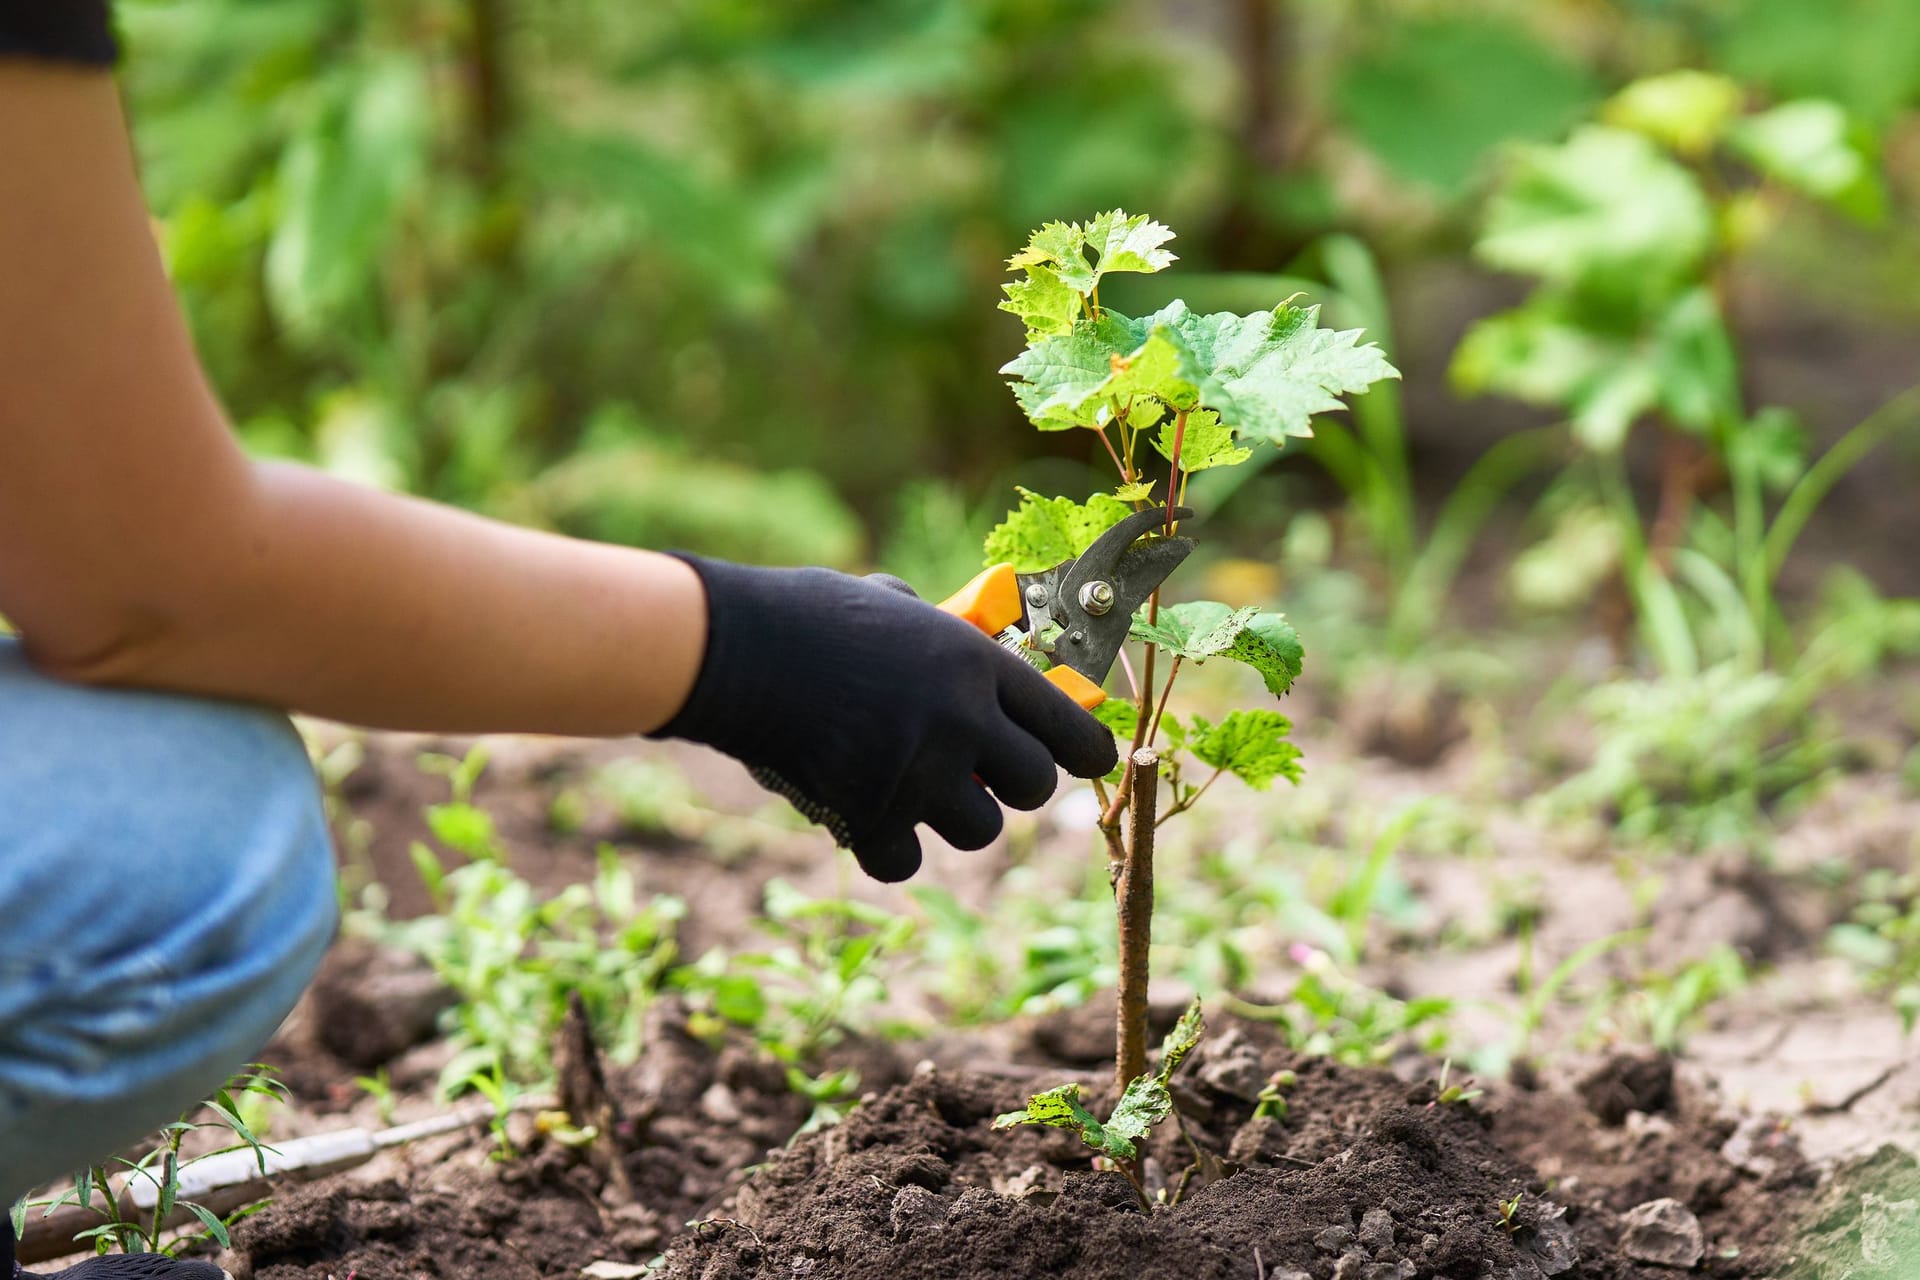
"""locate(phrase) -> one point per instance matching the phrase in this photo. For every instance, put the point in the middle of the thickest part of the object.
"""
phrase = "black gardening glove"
(873, 711)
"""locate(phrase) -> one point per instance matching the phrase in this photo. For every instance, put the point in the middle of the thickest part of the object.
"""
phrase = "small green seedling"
(1448, 1093)
(379, 1087)
(503, 1094)
(1271, 1103)
(1509, 1209)
(159, 1168)
(1144, 1103)
(559, 1127)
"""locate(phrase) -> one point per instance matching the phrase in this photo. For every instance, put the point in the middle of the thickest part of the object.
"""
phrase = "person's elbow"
(126, 610)
(104, 643)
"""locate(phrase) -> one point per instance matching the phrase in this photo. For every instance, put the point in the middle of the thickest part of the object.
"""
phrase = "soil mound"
(1365, 1177)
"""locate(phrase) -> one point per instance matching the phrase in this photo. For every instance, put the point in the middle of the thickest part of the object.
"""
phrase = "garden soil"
(1368, 1177)
(1615, 1163)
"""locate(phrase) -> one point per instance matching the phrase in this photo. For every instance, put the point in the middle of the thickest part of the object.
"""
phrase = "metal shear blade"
(1079, 613)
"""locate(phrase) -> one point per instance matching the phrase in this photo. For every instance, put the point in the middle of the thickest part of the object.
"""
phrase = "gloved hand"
(873, 711)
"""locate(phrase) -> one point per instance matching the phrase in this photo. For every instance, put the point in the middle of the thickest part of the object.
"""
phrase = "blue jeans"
(166, 891)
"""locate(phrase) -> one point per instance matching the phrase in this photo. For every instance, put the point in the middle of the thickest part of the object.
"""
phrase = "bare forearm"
(138, 546)
(384, 611)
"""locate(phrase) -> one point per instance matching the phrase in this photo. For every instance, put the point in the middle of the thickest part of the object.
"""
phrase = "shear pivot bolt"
(1036, 595)
(1096, 597)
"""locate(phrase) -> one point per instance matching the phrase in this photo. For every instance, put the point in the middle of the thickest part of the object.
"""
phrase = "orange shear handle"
(991, 602)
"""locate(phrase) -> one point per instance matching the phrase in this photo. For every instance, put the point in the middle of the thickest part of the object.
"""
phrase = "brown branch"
(1160, 713)
(1111, 453)
(1174, 483)
(1135, 904)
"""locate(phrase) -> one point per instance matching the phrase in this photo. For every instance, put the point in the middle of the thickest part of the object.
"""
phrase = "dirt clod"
(1629, 1082)
(1665, 1233)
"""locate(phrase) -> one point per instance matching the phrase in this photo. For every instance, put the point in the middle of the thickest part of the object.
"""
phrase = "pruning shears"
(1071, 620)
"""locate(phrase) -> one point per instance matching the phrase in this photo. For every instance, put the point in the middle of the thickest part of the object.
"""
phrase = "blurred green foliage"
(721, 273)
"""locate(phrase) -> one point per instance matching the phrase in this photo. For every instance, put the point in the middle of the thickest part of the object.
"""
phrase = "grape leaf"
(1606, 211)
(1062, 245)
(1544, 354)
(1268, 373)
(1138, 491)
(1116, 241)
(1814, 146)
(1118, 715)
(1202, 629)
(1162, 367)
(1064, 379)
(1251, 745)
(1205, 443)
(1046, 305)
(1144, 1103)
(1265, 375)
(1685, 110)
(1195, 631)
(1123, 243)
(1044, 532)
(1060, 1109)
(1272, 647)
(1181, 1040)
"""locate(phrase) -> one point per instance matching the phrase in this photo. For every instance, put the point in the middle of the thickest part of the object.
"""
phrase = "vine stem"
(1166, 691)
(1126, 665)
(1112, 453)
(1174, 483)
(1134, 898)
(1181, 806)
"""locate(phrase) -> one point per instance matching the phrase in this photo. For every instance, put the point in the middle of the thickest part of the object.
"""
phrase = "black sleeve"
(76, 31)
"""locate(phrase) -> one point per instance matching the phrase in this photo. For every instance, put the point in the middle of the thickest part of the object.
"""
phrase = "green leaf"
(1251, 745)
(1439, 95)
(1862, 53)
(1063, 380)
(739, 999)
(1062, 245)
(211, 1221)
(1272, 647)
(1060, 1109)
(1268, 373)
(1774, 444)
(1144, 1103)
(1115, 241)
(344, 175)
(1813, 146)
(1123, 243)
(1138, 491)
(1202, 629)
(1606, 211)
(1044, 304)
(1265, 375)
(1685, 110)
(1204, 444)
(1044, 532)
(1194, 631)
(1118, 715)
(1161, 367)
(1537, 354)
(1548, 353)
(1180, 1041)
